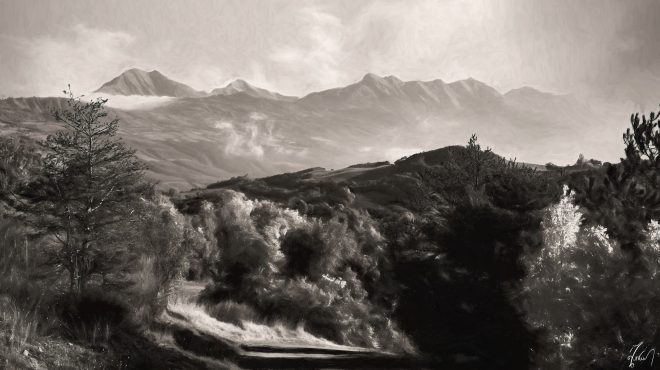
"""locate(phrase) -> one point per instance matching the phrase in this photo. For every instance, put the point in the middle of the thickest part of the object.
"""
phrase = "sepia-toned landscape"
(352, 185)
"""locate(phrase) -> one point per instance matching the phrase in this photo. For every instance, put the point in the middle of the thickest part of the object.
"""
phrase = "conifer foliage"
(624, 197)
(90, 182)
(644, 139)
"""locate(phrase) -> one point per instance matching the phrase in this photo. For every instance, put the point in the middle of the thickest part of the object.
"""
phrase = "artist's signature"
(641, 354)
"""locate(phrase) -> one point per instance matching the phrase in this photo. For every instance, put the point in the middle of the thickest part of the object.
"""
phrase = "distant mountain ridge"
(394, 94)
(138, 82)
(198, 138)
(240, 86)
(370, 89)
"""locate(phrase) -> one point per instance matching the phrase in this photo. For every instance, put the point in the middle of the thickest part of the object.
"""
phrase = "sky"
(602, 49)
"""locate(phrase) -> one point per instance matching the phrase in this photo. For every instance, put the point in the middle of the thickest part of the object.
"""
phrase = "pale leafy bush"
(159, 255)
(650, 248)
(233, 313)
(561, 224)
(248, 234)
(591, 300)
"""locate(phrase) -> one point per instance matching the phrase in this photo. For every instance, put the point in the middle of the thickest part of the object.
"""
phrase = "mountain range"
(138, 82)
(195, 138)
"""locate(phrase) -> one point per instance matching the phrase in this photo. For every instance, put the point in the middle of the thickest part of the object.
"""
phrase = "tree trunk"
(27, 258)
(75, 275)
(72, 280)
(81, 283)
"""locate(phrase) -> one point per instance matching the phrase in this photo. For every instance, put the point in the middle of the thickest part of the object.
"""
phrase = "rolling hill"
(379, 187)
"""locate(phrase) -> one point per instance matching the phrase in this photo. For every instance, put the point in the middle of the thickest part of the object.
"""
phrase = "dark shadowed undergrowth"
(44, 325)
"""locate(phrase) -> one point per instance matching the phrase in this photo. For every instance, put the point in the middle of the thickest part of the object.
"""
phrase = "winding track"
(201, 339)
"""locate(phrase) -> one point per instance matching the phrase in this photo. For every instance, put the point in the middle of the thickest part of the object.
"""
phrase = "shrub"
(329, 309)
(233, 313)
(159, 253)
(301, 270)
(19, 164)
(248, 236)
(592, 299)
(147, 295)
(201, 244)
(561, 224)
(302, 249)
(91, 317)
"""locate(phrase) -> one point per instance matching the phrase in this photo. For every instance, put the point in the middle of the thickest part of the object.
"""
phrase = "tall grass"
(20, 305)
(18, 325)
(233, 312)
(96, 334)
(249, 331)
(22, 299)
(148, 294)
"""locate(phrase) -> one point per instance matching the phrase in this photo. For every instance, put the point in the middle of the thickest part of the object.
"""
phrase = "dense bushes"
(585, 293)
(19, 164)
(303, 254)
(201, 245)
(459, 285)
(455, 316)
(302, 271)
(483, 260)
(458, 260)
(438, 254)
(593, 286)
(158, 252)
(592, 289)
(444, 271)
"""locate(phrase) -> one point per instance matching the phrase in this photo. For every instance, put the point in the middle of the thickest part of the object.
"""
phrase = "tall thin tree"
(91, 182)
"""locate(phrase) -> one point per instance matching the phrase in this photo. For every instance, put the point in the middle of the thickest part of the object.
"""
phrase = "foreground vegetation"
(456, 254)
(89, 249)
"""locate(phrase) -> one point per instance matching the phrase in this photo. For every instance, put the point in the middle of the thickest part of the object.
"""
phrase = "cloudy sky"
(600, 48)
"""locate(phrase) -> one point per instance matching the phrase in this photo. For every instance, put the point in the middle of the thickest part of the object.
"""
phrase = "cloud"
(423, 39)
(323, 140)
(224, 125)
(314, 56)
(253, 137)
(298, 47)
(245, 139)
(257, 116)
(427, 39)
(132, 102)
(45, 65)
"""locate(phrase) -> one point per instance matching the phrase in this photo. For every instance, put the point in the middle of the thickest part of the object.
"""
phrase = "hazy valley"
(191, 138)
